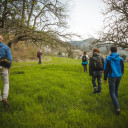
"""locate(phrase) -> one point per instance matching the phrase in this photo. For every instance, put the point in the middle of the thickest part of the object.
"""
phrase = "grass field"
(58, 94)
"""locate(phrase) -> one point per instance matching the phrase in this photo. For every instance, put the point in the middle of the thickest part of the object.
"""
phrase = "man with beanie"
(114, 69)
(5, 54)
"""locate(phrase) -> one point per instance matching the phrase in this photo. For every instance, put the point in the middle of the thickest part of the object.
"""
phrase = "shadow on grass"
(43, 68)
(17, 72)
(3, 108)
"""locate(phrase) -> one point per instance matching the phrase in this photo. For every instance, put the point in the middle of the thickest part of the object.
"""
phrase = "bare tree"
(37, 20)
(115, 30)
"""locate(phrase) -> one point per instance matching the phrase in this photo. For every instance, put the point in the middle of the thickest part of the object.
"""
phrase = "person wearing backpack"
(39, 53)
(96, 65)
(5, 65)
(85, 61)
(114, 69)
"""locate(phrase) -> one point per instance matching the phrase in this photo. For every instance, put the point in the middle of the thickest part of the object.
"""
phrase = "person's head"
(84, 53)
(40, 50)
(1, 38)
(96, 50)
(113, 49)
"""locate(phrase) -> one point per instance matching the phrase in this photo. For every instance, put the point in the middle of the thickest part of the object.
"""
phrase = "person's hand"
(105, 81)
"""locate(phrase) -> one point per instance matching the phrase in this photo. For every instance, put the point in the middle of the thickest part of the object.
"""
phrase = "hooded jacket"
(5, 52)
(114, 66)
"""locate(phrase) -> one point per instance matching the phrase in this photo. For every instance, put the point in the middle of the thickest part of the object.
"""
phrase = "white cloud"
(85, 16)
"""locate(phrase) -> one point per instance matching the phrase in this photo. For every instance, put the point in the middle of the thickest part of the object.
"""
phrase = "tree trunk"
(31, 12)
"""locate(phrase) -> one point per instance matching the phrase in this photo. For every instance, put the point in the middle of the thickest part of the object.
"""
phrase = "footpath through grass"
(58, 94)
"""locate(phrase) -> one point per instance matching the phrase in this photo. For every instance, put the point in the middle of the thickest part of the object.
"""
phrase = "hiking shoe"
(118, 111)
(95, 90)
(99, 93)
(5, 103)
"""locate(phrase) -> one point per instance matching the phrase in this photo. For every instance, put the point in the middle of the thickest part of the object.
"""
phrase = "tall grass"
(58, 94)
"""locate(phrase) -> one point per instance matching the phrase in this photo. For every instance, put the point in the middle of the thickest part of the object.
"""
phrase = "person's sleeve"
(105, 69)
(103, 61)
(9, 55)
(122, 66)
(90, 69)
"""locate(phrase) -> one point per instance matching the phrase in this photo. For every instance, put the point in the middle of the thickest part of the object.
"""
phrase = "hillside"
(84, 44)
(58, 94)
(27, 51)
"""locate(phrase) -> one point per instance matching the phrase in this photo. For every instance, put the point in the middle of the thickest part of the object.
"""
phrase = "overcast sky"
(85, 16)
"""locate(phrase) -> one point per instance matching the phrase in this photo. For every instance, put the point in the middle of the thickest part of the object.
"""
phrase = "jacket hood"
(1, 44)
(114, 56)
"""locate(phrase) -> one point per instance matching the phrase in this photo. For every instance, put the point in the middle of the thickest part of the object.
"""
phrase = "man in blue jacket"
(114, 69)
(4, 71)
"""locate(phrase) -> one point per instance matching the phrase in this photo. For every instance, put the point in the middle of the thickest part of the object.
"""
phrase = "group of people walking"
(113, 69)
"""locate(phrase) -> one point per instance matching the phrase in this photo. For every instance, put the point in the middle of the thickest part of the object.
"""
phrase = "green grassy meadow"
(58, 94)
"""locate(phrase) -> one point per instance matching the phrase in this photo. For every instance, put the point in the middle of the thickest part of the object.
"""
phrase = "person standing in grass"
(114, 69)
(96, 65)
(39, 53)
(85, 61)
(5, 57)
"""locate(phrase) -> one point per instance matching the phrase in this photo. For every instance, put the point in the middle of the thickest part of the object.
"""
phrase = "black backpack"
(97, 63)
(84, 59)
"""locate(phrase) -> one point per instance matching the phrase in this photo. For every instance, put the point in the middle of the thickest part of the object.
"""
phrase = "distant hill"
(79, 43)
(84, 44)
(76, 43)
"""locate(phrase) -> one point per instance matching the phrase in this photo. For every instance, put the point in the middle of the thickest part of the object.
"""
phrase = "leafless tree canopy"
(38, 20)
(115, 29)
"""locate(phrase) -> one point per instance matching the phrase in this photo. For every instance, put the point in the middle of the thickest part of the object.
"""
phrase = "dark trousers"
(85, 67)
(97, 75)
(113, 89)
(39, 60)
